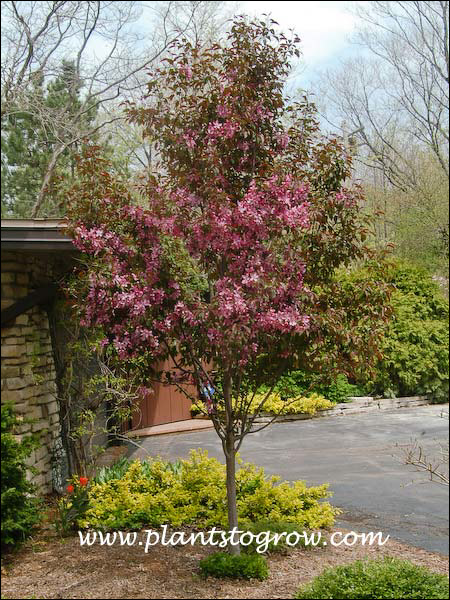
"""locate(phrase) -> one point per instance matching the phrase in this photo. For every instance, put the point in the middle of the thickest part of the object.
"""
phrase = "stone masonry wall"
(27, 366)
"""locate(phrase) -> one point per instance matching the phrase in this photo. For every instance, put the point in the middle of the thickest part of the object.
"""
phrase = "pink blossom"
(190, 138)
(283, 140)
(186, 71)
(223, 111)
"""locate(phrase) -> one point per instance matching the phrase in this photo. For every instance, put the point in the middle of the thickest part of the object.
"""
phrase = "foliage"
(245, 566)
(415, 348)
(120, 467)
(382, 578)
(72, 506)
(193, 493)
(225, 261)
(20, 510)
(302, 383)
(27, 144)
(115, 471)
(94, 398)
(340, 390)
(275, 404)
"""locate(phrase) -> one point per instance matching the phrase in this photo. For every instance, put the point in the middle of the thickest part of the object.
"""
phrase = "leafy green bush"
(243, 566)
(115, 471)
(299, 383)
(416, 345)
(193, 492)
(340, 390)
(387, 578)
(121, 466)
(20, 511)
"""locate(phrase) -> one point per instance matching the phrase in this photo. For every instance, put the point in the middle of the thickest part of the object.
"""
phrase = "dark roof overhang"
(35, 234)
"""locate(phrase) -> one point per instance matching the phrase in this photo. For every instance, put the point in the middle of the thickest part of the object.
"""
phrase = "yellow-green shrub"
(276, 405)
(152, 494)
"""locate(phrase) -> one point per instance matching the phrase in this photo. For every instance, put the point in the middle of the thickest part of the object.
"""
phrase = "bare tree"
(396, 93)
(435, 466)
(433, 462)
(110, 44)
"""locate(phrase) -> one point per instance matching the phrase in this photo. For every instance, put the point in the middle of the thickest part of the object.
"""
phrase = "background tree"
(28, 146)
(108, 52)
(225, 262)
(395, 98)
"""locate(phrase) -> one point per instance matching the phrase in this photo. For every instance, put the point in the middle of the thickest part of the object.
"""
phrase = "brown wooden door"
(166, 405)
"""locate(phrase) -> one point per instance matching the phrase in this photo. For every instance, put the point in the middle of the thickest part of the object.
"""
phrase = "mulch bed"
(52, 567)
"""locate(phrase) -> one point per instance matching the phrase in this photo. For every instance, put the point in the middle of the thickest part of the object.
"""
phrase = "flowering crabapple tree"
(223, 261)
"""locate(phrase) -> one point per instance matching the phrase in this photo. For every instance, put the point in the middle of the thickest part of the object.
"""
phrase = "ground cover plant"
(385, 578)
(244, 566)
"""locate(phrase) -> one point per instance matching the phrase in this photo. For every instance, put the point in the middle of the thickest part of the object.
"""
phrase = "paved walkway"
(355, 455)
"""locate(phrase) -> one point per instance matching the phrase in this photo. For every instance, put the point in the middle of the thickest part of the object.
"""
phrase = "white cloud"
(323, 27)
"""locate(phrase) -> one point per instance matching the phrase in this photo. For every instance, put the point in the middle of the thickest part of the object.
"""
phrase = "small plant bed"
(132, 495)
(49, 566)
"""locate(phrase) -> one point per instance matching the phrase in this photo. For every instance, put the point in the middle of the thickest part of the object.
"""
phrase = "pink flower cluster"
(186, 71)
(256, 290)
(223, 111)
(190, 137)
(95, 240)
(224, 130)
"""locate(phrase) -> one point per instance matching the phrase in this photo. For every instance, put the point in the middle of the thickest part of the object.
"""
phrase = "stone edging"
(356, 405)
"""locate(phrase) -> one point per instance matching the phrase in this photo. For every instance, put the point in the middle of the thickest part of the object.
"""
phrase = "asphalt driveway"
(356, 454)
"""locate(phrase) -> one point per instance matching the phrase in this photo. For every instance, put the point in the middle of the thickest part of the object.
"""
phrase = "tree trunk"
(230, 456)
(48, 175)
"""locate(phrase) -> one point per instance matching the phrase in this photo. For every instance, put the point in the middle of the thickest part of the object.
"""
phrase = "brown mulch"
(52, 567)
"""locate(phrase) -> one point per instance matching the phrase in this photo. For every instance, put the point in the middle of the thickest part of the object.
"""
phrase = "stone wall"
(27, 365)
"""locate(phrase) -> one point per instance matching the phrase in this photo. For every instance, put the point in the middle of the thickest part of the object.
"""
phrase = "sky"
(323, 27)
